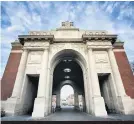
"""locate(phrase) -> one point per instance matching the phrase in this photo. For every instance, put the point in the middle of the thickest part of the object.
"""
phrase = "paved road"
(69, 114)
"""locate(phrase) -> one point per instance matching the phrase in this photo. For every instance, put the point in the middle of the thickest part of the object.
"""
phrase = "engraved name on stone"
(99, 43)
(35, 58)
(101, 58)
(35, 44)
(95, 33)
(103, 68)
(39, 33)
(56, 48)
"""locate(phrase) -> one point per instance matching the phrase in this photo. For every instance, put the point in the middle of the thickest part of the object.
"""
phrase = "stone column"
(20, 75)
(74, 99)
(83, 102)
(124, 101)
(58, 101)
(41, 102)
(76, 102)
(50, 92)
(88, 91)
(13, 103)
(98, 101)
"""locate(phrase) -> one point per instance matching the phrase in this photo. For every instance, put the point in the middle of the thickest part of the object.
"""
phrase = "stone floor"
(69, 114)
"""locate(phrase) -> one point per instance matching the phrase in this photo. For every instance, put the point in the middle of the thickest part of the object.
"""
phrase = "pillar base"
(125, 105)
(99, 106)
(50, 106)
(58, 108)
(76, 107)
(40, 108)
(13, 107)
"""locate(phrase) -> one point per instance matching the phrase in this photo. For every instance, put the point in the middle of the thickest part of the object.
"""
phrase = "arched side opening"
(68, 65)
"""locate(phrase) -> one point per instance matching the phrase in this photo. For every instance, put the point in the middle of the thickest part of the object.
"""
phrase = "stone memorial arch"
(95, 73)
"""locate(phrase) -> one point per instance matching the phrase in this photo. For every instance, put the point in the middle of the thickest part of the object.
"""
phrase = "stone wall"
(9, 76)
(11, 69)
(125, 70)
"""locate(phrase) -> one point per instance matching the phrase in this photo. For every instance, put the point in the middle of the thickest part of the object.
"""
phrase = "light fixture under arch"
(67, 70)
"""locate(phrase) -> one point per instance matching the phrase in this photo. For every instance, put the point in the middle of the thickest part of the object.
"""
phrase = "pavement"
(67, 113)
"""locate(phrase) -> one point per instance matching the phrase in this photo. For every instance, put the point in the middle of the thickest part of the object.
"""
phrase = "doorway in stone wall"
(107, 92)
(30, 93)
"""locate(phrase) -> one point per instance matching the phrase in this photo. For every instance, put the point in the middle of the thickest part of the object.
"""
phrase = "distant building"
(70, 99)
(63, 102)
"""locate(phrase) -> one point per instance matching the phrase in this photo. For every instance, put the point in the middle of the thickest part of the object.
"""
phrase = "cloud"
(22, 17)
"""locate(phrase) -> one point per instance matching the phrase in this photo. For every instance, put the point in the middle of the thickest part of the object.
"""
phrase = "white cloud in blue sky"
(21, 17)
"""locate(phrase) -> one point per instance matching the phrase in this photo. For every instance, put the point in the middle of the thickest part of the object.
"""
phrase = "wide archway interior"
(68, 71)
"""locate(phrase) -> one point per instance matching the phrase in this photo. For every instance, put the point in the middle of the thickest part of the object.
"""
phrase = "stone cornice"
(35, 48)
(36, 45)
(23, 38)
(118, 44)
(111, 38)
(99, 45)
(50, 38)
(16, 44)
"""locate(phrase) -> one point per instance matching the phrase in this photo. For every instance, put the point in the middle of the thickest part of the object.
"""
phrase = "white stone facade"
(95, 57)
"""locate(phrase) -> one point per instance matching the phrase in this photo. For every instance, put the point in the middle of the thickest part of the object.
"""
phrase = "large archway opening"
(68, 71)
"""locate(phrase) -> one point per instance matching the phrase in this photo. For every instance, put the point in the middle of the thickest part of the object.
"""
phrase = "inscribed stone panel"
(102, 62)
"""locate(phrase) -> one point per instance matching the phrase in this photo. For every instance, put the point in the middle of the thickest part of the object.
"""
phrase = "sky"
(66, 90)
(18, 18)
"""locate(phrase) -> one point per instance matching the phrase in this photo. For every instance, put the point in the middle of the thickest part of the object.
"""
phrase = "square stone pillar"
(88, 92)
(76, 101)
(58, 107)
(98, 101)
(50, 83)
(83, 102)
(124, 101)
(13, 104)
(41, 102)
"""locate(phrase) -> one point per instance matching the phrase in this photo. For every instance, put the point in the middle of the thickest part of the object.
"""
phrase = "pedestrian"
(81, 108)
(53, 107)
